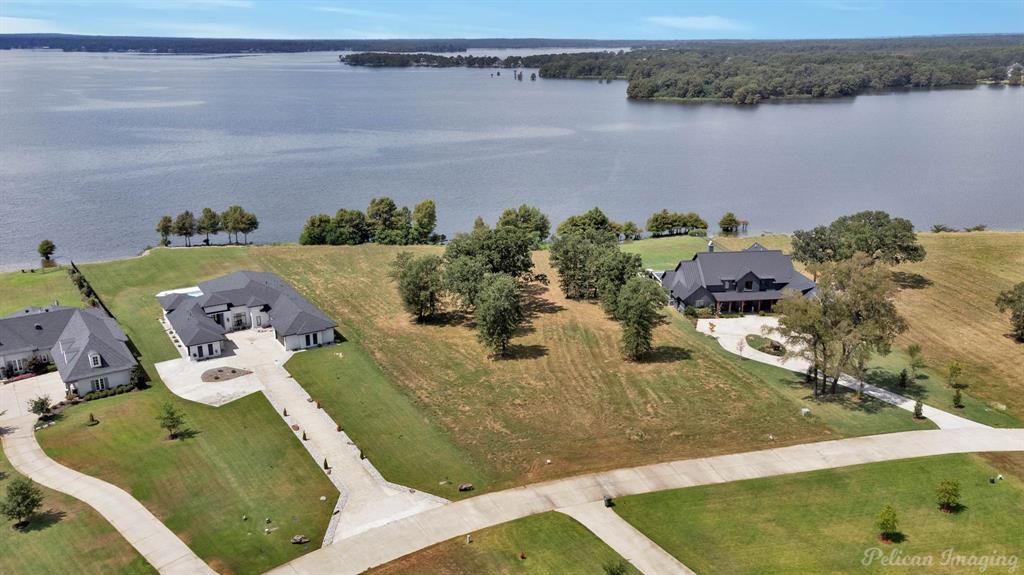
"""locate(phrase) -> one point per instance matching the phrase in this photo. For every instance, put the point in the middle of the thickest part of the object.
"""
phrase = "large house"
(87, 346)
(746, 281)
(201, 316)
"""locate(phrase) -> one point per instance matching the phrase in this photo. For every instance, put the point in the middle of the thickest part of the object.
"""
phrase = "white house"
(201, 316)
(87, 346)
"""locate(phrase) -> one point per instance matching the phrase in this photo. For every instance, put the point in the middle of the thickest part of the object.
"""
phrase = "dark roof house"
(750, 280)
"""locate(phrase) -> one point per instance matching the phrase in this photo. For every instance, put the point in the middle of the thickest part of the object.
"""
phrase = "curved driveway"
(377, 546)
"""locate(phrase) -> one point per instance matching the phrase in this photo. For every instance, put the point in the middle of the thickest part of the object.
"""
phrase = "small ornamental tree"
(958, 399)
(22, 501)
(954, 369)
(46, 249)
(904, 378)
(887, 523)
(40, 405)
(947, 495)
(916, 360)
(1012, 300)
(171, 419)
(918, 409)
(138, 377)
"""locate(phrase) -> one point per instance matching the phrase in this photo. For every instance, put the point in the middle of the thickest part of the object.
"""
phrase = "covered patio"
(746, 302)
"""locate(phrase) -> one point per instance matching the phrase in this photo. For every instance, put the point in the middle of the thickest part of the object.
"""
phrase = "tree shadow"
(898, 537)
(667, 354)
(535, 304)
(187, 433)
(4, 430)
(955, 508)
(518, 351)
(452, 317)
(41, 521)
(891, 381)
(909, 280)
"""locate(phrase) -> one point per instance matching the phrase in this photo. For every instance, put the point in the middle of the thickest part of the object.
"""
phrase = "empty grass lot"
(564, 395)
(243, 460)
(66, 536)
(823, 521)
(41, 288)
(554, 544)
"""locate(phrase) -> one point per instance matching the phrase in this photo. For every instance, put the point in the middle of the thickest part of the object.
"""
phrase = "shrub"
(617, 568)
(690, 311)
(698, 233)
(22, 501)
(947, 495)
(918, 409)
(40, 405)
(958, 400)
(887, 523)
(138, 377)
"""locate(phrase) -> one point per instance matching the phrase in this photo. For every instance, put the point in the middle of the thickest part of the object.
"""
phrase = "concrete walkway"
(731, 331)
(633, 545)
(377, 546)
(154, 541)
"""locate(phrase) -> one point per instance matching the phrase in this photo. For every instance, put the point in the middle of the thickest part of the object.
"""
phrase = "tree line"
(383, 223)
(233, 221)
(592, 267)
(749, 72)
(483, 273)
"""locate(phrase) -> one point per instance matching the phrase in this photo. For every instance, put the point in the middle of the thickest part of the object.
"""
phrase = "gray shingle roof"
(711, 269)
(290, 313)
(70, 335)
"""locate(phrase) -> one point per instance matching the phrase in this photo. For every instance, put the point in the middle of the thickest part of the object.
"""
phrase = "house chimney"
(711, 246)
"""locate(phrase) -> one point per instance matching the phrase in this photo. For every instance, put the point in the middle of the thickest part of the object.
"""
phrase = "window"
(99, 384)
(749, 285)
(94, 360)
(199, 351)
(209, 349)
(259, 320)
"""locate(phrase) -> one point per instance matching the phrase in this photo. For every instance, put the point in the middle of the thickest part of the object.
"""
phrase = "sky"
(637, 19)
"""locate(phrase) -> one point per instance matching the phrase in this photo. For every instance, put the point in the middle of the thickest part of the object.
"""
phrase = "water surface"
(95, 148)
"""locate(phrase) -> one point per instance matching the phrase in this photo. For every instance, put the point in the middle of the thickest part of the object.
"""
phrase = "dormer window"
(749, 285)
(94, 360)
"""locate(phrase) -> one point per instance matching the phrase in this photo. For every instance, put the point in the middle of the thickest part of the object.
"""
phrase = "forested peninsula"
(752, 71)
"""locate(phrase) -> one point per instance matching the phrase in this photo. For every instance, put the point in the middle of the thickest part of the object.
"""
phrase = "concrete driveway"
(14, 397)
(249, 350)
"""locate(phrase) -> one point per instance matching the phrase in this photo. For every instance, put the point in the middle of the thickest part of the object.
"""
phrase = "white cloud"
(696, 22)
(211, 30)
(15, 25)
(355, 12)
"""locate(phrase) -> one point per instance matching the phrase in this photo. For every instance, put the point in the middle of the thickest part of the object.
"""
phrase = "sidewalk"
(154, 541)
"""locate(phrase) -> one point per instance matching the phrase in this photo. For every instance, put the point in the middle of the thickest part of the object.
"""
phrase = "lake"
(94, 148)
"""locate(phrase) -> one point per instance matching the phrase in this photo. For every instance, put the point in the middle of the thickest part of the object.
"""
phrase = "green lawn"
(41, 288)
(554, 544)
(392, 432)
(243, 460)
(931, 388)
(66, 536)
(766, 345)
(665, 253)
(844, 413)
(823, 521)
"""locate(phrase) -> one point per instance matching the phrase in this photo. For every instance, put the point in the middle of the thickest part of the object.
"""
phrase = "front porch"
(749, 306)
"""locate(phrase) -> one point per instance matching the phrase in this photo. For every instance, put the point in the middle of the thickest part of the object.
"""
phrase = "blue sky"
(520, 18)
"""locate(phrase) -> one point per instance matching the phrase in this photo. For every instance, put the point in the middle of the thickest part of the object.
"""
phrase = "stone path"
(633, 545)
(355, 554)
(153, 540)
(731, 331)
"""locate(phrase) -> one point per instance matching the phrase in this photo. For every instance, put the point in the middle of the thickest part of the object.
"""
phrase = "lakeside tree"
(875, 233)
(348, 228)
(23, 499)
(165, 227)
(853, 316)
(46, 249)
(232, 221)
(424, 221)
(209, 223)
(729, 223)
(529, 219)
(941, 228)
(574, 256)
(639, 310)
(171, 419)
(498, 311)
(316, 230)
(671, 223)
(594, 220)
(185, 226)
(631, 231)
(249, 224)
(1012, 300)
(386, 224)
(419, 282)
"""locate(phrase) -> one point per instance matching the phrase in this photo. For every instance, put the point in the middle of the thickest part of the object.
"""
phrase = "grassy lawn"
(67, 536)
(931, 388)
(844, 414)
(566, 395)
(823, 521)
(553, 543)
(242, 461)
(948, 300)
(392, 432)
(20, 290)
(766, 345)
(665, 253)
